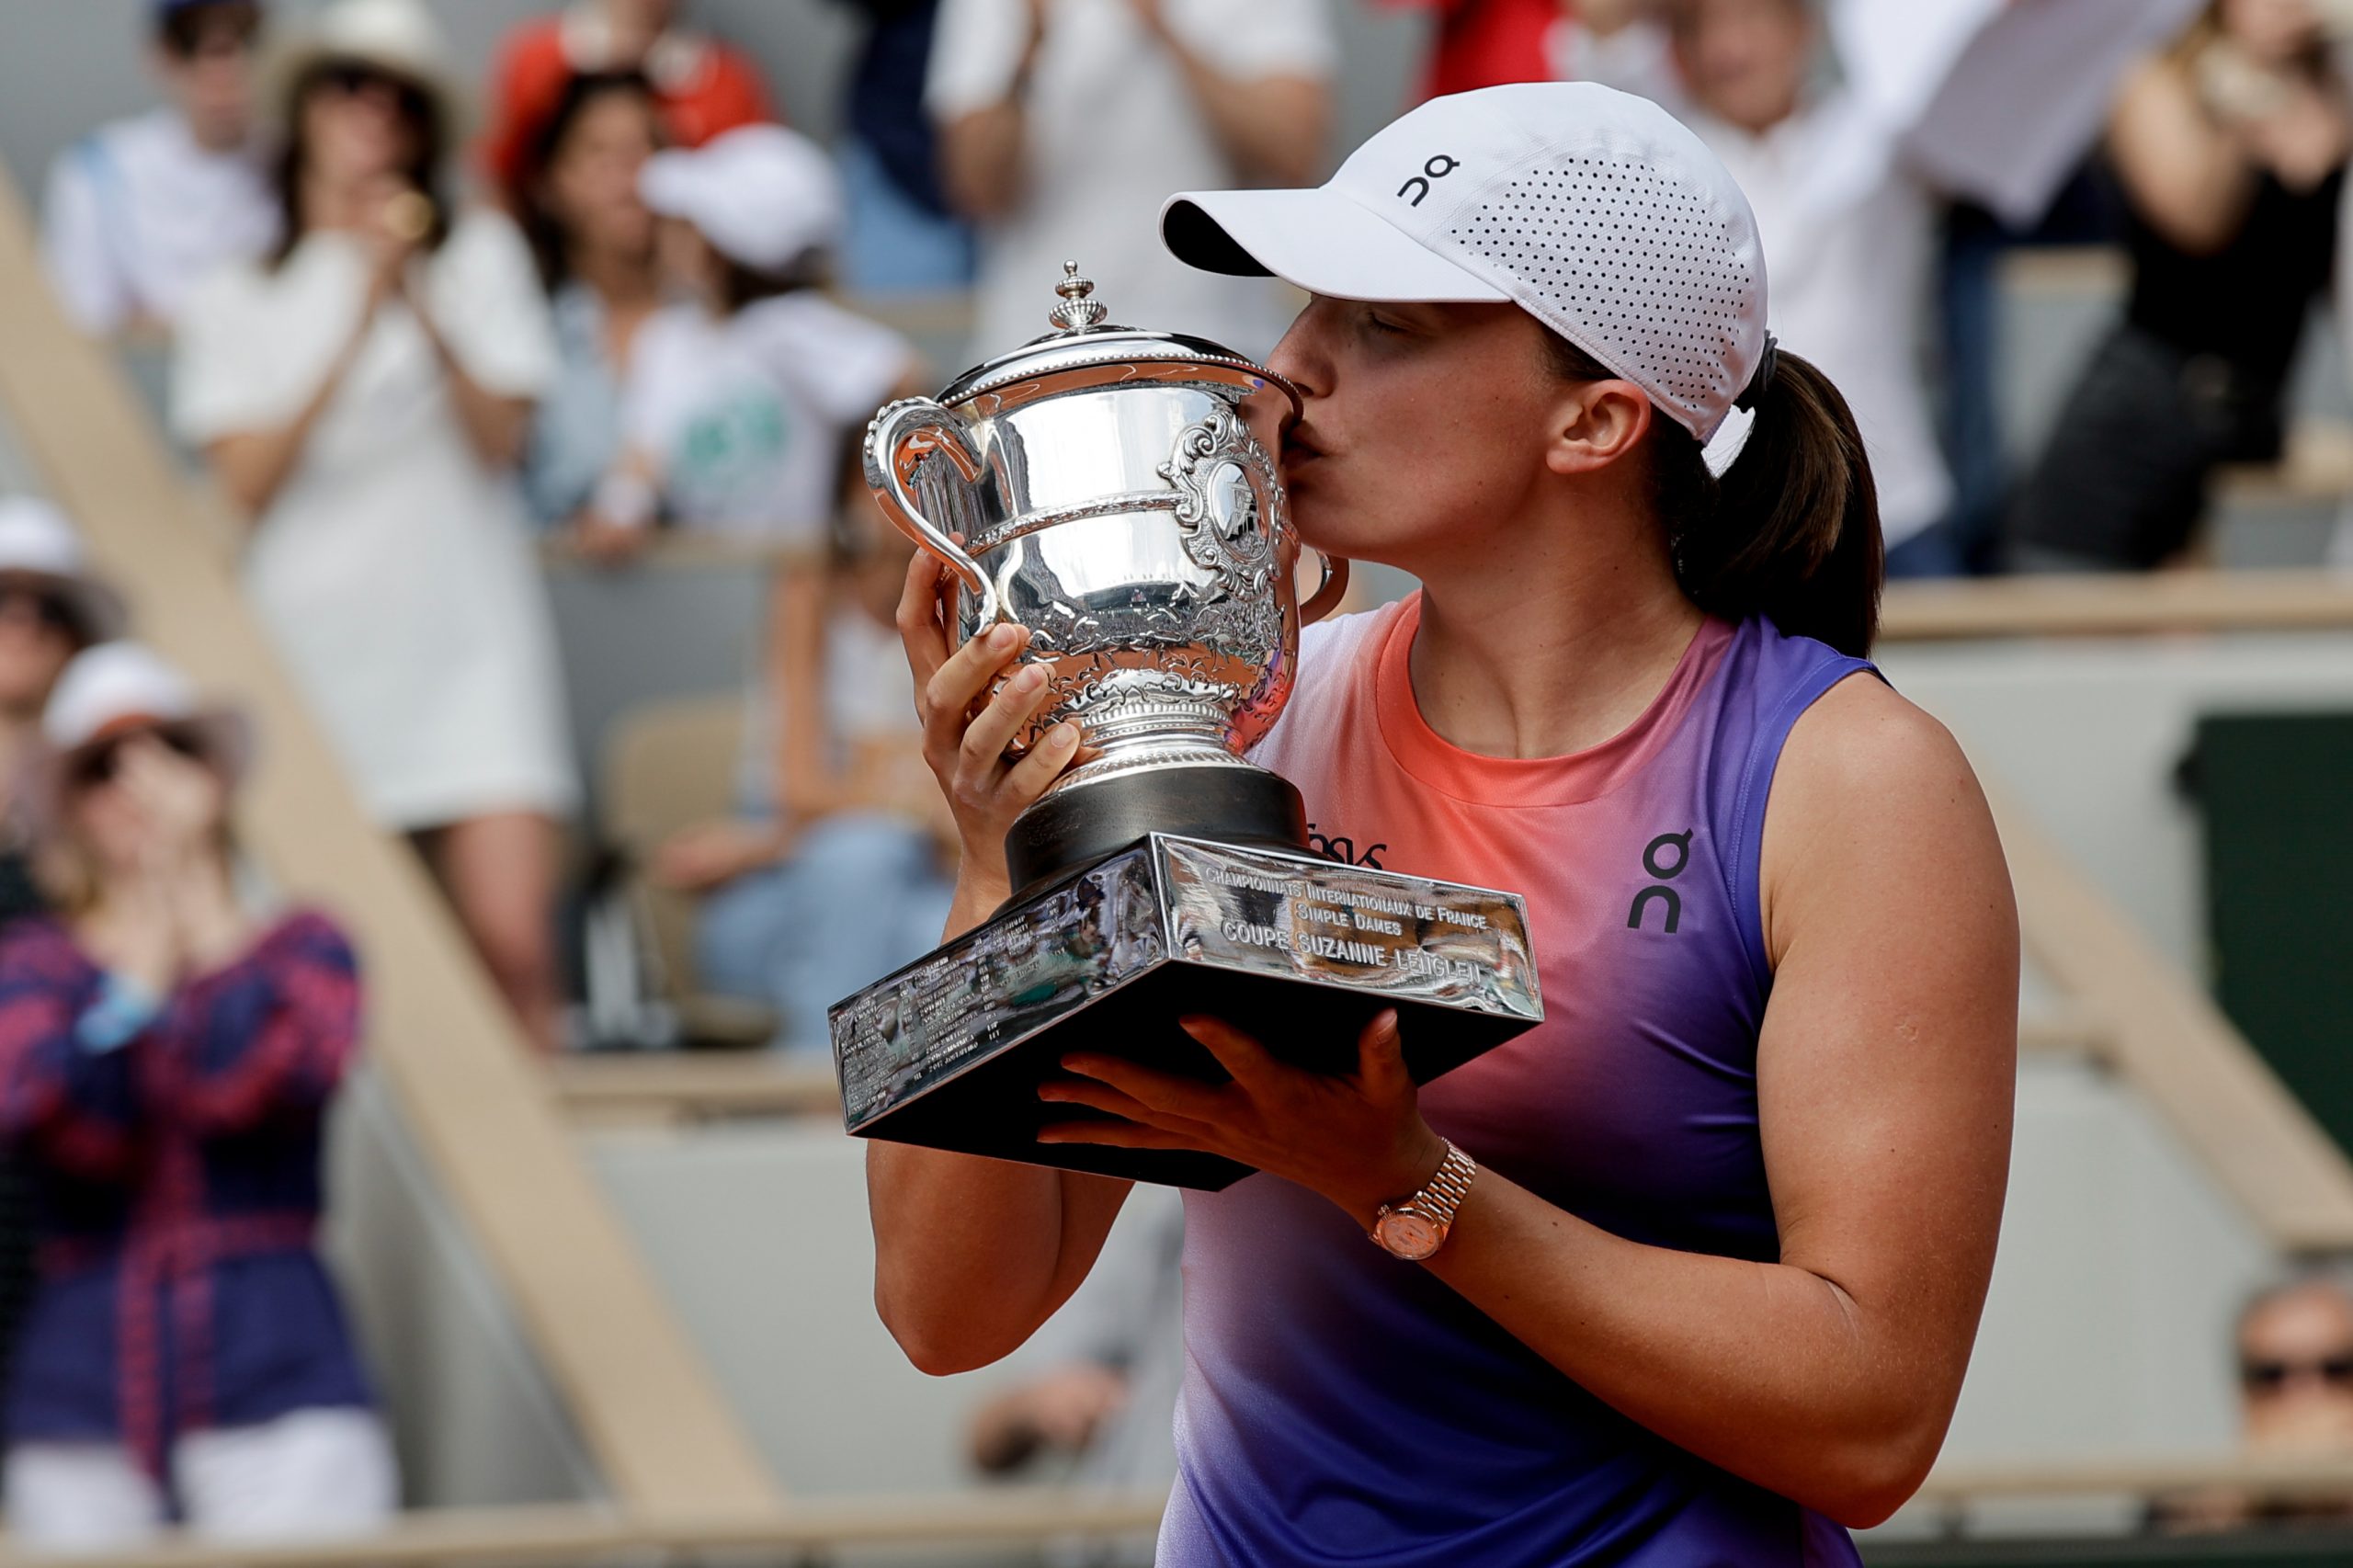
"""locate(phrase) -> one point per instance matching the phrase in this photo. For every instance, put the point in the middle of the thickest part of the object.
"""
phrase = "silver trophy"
(1102, 487)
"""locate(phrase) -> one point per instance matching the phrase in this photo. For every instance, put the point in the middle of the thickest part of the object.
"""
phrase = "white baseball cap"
(37, 542)
(1595, 210)
(762, 195)
(117, 686)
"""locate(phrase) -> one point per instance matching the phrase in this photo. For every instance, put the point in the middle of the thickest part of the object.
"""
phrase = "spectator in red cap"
(705, 87)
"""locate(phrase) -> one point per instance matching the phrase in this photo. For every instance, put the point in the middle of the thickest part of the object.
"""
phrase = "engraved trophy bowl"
(1102, 487)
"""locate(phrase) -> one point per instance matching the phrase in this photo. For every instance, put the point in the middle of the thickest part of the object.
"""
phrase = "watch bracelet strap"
(1441, 1200)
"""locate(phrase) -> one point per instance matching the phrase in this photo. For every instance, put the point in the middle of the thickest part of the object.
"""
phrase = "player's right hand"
(964, 738)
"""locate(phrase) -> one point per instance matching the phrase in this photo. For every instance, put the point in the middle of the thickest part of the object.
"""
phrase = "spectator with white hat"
(743, 398)
(138, 212)
(166, 1062)
(746, 406)
(365, 394)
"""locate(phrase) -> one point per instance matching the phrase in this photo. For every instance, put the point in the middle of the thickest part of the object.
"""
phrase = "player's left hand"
(1356, 1138)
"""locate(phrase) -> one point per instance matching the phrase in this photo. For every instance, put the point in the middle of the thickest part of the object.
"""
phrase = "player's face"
(1425, 429)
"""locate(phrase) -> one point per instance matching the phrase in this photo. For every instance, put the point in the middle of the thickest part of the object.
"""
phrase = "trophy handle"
(1329, 592)
(902, 436)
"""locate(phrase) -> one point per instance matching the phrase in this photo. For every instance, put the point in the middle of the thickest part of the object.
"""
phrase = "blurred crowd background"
(476, 346)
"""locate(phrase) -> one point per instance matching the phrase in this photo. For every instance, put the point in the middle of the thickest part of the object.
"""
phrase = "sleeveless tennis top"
(1343, 1407)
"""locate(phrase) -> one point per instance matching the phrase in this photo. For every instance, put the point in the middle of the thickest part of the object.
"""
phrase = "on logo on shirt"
(1666, 874)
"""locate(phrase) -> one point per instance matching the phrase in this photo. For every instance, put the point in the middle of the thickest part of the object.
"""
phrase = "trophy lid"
(1084, 345)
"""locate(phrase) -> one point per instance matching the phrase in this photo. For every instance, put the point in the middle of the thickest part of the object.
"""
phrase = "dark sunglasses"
(2270, 1377)
(98, 764)
(352, 77)
(53, 612)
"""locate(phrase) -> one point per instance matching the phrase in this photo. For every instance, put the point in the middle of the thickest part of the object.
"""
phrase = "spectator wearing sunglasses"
(2294, 1345)
(138, 212)
(366, 395)
(166, 1060)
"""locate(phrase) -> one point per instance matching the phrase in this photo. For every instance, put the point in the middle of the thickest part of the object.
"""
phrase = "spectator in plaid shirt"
(166, 1064)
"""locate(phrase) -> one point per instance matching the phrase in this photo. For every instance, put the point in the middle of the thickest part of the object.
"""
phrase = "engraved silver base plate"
(948, 1052)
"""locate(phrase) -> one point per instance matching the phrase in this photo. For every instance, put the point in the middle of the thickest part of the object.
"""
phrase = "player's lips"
(1299, 448)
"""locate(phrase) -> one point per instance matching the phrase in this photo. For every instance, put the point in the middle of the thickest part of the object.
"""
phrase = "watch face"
(1408, 1235)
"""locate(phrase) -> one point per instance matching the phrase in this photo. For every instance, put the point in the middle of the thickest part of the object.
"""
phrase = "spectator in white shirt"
(1065, 124)
(138, 212)
(744, 400)
(364, 394)
(1849, 233)
(744, 412)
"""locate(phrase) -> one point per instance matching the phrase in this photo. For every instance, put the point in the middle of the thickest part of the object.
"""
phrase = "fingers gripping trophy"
(1102, 488)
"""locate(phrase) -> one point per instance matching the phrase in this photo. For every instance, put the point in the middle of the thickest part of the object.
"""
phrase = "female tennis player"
(1689, 1275)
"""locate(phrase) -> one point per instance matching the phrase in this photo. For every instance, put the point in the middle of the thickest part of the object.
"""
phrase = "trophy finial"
(1079, 308)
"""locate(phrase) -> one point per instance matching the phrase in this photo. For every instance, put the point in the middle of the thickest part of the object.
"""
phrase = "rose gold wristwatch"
(1415, 1229)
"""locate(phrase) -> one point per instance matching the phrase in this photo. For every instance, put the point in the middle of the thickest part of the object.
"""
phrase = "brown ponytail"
(1790, 530)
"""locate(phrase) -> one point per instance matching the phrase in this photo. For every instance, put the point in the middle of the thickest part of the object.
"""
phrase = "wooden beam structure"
(647, 1407)
(2163, 1035)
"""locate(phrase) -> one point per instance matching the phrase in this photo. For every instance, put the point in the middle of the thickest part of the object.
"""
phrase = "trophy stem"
(1071, 829)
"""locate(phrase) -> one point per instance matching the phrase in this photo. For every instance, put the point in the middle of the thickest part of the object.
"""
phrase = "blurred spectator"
(1098, 1397)
(365, 393)
(704, 87)
(903, 236)
(1849, 234)
(138, 212)
(1065, 124)
(745, 408)
(2295, 1373)
(2231, 150)
(50, 608)
(833, 875)
(165, 1062)
(743, 399)
(593, 235)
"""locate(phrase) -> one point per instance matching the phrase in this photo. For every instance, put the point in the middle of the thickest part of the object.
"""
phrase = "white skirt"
(409, 607)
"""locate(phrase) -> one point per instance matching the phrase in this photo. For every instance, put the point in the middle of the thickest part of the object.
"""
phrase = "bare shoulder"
(1863, 734)
(1874, 806)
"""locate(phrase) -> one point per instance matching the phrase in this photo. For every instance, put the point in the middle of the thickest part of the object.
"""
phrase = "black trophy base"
(1300, 952)
(1080, 826)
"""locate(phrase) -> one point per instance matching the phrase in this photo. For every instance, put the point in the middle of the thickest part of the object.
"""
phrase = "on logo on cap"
(1437, 166)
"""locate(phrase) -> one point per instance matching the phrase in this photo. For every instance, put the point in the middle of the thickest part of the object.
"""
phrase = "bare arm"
(1885, 1075)
(496, 426)
(1885, 1072)
(980, 160)
(980, 153)
(809, 785)
(1271, 128)
(2184, 171)
(253, 466)
(972, 1255)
